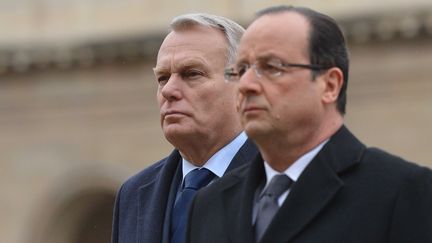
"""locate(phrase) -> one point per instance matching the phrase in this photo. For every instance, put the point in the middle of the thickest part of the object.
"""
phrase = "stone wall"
(78, 113)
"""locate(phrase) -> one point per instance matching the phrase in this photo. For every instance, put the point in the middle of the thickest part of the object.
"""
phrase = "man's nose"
(249, 82)
(171, 90)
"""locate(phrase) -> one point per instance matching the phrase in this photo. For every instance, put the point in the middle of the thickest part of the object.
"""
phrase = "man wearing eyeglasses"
(198, 115)
(313, 181)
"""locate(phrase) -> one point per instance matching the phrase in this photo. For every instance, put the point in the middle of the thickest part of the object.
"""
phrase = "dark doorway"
(95, 223)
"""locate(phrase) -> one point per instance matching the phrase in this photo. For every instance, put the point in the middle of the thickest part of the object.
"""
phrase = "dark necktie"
(193, 181)
(268, 205)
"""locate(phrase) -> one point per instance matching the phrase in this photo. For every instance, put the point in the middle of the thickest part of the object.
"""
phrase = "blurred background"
(78, 113)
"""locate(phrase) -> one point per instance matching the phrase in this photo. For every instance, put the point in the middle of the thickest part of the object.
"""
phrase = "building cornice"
(361, 30)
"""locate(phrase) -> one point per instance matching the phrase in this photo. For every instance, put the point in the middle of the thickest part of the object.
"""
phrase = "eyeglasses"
(270, 69)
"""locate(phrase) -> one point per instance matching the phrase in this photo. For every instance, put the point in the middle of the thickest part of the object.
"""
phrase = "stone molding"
(379, 27)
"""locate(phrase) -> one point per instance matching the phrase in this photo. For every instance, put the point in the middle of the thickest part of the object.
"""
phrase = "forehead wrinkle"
(190, 63)
(253, 56)
(180, 64)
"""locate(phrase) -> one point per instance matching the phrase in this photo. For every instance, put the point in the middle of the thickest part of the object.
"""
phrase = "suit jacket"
(144, 202)
(347, 194)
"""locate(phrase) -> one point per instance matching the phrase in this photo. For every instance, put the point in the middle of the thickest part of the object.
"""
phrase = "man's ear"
(334, 79)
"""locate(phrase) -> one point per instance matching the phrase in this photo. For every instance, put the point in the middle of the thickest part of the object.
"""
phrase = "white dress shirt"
(294, 171)
(220, 161)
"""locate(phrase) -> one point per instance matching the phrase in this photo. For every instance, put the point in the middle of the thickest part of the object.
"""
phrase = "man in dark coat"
(313, 181)
(198, 117)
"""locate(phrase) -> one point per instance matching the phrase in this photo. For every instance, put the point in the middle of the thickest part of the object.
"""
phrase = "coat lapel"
(153, 201)
(316, 187)
(304, 202)
(237, 197)
(246, 153)
(156, 197)
(241, 206)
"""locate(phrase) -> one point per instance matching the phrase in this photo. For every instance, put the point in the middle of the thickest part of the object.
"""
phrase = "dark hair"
(326, 44)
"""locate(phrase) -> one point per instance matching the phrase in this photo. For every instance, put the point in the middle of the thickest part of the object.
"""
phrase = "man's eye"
(163, 79)
(269, 67)
(192, 73)
(242, 69)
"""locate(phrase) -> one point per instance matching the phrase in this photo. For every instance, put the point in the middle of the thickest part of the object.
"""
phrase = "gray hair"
(230, 29)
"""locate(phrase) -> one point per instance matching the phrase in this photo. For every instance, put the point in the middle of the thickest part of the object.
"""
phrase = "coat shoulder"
(155, 173)
(146, 175)
(389, 163)
(391, 171)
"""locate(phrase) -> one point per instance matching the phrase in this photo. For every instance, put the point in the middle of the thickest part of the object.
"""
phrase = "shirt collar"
(295, 170)
(220, 161)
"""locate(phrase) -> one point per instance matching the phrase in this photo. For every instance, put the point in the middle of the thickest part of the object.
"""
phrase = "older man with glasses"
(313, 181)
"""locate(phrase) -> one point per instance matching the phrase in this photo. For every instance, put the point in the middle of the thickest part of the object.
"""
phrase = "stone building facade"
(78, 113)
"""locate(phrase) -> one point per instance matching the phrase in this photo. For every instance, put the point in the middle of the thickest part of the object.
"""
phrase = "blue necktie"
(193, 181)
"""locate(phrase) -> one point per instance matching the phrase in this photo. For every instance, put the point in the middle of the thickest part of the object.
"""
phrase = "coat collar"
(157, 196)
(237, 198)
(153, 200)
(314, 190)
(246, 153)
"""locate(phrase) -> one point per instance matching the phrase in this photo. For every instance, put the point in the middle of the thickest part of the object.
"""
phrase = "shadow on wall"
(79, 210)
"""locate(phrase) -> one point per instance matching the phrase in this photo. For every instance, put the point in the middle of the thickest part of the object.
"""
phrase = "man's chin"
(174, 132)
(255, 129)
